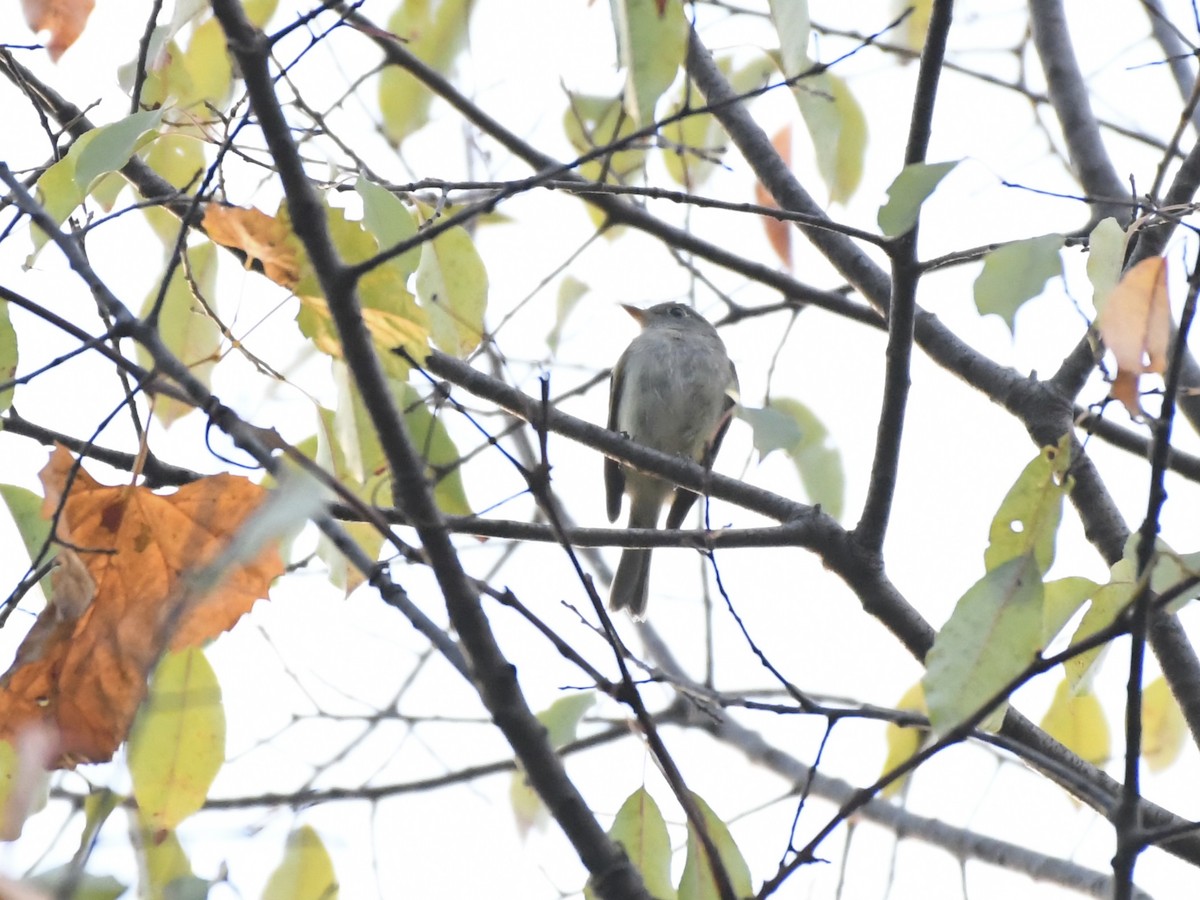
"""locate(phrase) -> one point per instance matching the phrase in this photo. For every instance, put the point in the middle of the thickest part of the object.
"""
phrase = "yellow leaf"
(838, 128)
(1076, 720)
(434, 31)
(651, 42)
(1163, 726)
(697, 881)
(185, 326)
(641, 831)
(903, 743)
(306, 872)
(177, 744)
(452, 285)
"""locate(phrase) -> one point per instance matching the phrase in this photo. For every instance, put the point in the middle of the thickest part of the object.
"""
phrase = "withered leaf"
(64, 19)
(259, 236)
(1135, 325)
(86, 675)
(779, 232)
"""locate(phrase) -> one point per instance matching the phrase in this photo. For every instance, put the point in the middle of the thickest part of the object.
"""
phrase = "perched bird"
(673, 390)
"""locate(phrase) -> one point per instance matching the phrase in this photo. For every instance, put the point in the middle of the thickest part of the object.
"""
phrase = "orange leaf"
(779, 233)
(259, 236)
(83, 667)
(64, 19)
(1135, 325)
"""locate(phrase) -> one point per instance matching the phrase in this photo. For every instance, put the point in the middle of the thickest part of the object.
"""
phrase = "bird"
(673, 389)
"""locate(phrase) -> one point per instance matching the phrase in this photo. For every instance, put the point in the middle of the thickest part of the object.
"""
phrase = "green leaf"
(794, 28)
(561, 721)
(1076, 720)
(570, 291)
(640, 829)
(352, 448)
(179, 158)
(433, 442)
(434, 31)
(107, 188)
(1107, 603)
(691, 145)
(325, 448)
(452, 285)
(910, 189)
(8, 356)
(177, 743)
(697, 881)
(1028, 518)
(306, 872)
(772, 429)
(112, 146)
(25, 507)
(650, 47)
(592, 122)
(1063, 599)
(57, 882)
(209, 68)
(788, 425)
(1167, 569)
(903, 743)
(62, 187)
(389, 310)
(993, 634)
(562, 717)
(390, 221)
(166, 870)
(1106, 258)
(1015, 273)
(185, 327)
(838, 128)
(165, 83)
(360, 459)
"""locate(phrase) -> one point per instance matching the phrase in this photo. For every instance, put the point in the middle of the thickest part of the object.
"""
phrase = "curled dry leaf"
(64, 19)
(1135, 325)
(261, 237)
(83, 668)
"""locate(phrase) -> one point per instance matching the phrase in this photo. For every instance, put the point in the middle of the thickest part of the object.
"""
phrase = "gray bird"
(673, 390)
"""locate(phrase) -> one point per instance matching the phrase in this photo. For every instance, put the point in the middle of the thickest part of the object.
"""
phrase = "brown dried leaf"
(64, 19)
(1135, 325)
(86, 676)
(779, 233)
(259, 236)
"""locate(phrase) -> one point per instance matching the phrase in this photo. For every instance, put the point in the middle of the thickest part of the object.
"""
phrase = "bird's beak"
(639, 315)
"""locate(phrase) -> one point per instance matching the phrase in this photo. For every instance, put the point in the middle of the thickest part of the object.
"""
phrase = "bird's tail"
(631, 584)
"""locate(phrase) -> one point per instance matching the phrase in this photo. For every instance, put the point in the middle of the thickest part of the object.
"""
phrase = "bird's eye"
(678, 312)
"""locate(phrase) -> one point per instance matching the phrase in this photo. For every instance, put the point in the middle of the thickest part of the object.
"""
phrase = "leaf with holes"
(1028, 518)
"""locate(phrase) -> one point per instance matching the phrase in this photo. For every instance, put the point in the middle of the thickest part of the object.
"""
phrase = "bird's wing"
(614, 478)
(684, 498)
